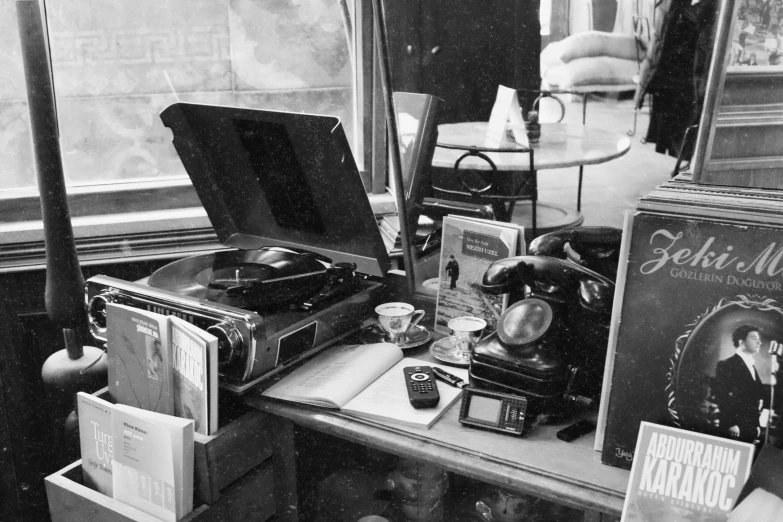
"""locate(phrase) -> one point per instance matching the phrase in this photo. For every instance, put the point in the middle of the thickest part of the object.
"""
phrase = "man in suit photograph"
(739, 392)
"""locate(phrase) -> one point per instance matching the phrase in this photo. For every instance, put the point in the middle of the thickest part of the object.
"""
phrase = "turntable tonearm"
(306, 258)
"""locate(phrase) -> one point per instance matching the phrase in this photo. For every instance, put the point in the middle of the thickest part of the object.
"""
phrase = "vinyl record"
(244, 278)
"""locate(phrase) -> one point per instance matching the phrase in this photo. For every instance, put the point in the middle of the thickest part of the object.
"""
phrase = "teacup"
(466, 331)
(396, 319)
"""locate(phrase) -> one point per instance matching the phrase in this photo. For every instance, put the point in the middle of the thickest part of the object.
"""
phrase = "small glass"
(465, 332)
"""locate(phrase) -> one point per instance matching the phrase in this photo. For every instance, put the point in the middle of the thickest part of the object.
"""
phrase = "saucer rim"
(404, 346)
(455, 362)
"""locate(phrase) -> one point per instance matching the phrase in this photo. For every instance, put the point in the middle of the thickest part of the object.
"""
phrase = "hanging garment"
(674, 70)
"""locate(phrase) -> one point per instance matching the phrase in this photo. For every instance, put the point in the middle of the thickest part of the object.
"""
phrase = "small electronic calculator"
(493, 410)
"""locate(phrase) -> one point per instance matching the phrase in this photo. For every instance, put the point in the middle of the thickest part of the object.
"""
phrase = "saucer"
(417, 335)
(444, 350)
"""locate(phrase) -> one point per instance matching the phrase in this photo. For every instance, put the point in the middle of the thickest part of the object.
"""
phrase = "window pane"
(118, 63)
(16, 153)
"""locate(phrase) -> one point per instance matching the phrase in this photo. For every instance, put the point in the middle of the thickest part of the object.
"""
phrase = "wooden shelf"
(537, 464)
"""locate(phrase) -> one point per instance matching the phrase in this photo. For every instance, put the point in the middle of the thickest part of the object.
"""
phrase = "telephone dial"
(596, 248)
(550, 343)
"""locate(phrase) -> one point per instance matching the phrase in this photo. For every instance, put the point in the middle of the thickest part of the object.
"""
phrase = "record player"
(305, 260)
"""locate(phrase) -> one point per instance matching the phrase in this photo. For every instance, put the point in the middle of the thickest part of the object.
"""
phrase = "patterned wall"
(118, 63)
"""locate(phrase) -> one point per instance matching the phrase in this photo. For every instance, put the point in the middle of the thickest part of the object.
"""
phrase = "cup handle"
(416, 320)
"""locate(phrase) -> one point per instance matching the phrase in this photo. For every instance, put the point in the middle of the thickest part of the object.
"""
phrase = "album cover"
(680, 476)
(692, 288)
(468, 247)
(138, 356)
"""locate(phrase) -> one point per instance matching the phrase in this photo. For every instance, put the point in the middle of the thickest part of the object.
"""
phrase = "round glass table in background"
(510, 173)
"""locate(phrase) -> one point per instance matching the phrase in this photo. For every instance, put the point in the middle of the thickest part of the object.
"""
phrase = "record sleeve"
(690, 284)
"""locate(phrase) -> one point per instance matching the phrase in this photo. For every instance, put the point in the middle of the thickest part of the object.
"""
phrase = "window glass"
(118, 63)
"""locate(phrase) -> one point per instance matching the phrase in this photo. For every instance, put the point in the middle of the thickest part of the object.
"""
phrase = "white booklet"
(365, 380)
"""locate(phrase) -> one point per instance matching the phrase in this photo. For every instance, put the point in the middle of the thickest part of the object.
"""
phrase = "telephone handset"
(550, 343)
(551, 279)
(596, 248)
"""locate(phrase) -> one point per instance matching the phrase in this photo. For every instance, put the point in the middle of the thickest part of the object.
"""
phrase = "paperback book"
(694, 332)
(194, 363)
(679, 475)
(364, 380)
(153, 462)
(95, 440)
(468, 247)
(137, 349)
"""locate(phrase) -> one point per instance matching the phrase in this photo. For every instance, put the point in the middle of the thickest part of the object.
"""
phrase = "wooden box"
(250, 498)
(251, 454)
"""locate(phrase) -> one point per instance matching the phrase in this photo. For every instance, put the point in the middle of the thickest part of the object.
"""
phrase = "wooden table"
(561, 145)
(537, 463)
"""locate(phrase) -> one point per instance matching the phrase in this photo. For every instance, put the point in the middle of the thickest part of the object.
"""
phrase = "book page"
(387, 397)
(335, 376)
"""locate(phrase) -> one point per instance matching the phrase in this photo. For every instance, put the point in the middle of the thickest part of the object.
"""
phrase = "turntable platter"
(249, 279)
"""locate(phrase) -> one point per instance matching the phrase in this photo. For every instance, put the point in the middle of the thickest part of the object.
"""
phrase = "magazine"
(364, 380)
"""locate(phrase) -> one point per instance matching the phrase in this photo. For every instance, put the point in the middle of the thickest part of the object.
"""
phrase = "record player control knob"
(96, 311)
(229, 342)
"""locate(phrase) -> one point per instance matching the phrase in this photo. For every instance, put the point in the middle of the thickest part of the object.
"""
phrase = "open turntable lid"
(269, 178)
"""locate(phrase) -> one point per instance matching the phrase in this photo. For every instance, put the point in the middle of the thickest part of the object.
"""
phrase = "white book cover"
(153, 462)
(95, 437)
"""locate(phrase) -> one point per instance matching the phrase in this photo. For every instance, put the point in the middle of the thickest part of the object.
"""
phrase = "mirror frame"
(763, 84)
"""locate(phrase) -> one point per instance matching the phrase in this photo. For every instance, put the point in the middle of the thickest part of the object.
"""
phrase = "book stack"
(697, 264)
(139, 457)
(163, 364)
(163, 377)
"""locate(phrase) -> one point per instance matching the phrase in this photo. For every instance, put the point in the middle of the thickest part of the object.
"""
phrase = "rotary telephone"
(596, 248)
(550, 343)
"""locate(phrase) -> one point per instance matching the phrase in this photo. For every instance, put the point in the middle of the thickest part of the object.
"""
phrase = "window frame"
(158, 219)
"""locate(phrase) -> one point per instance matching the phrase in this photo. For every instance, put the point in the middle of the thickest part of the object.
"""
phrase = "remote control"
(422, 389)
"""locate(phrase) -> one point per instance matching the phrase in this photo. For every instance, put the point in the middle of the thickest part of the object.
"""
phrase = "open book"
(365, 380)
